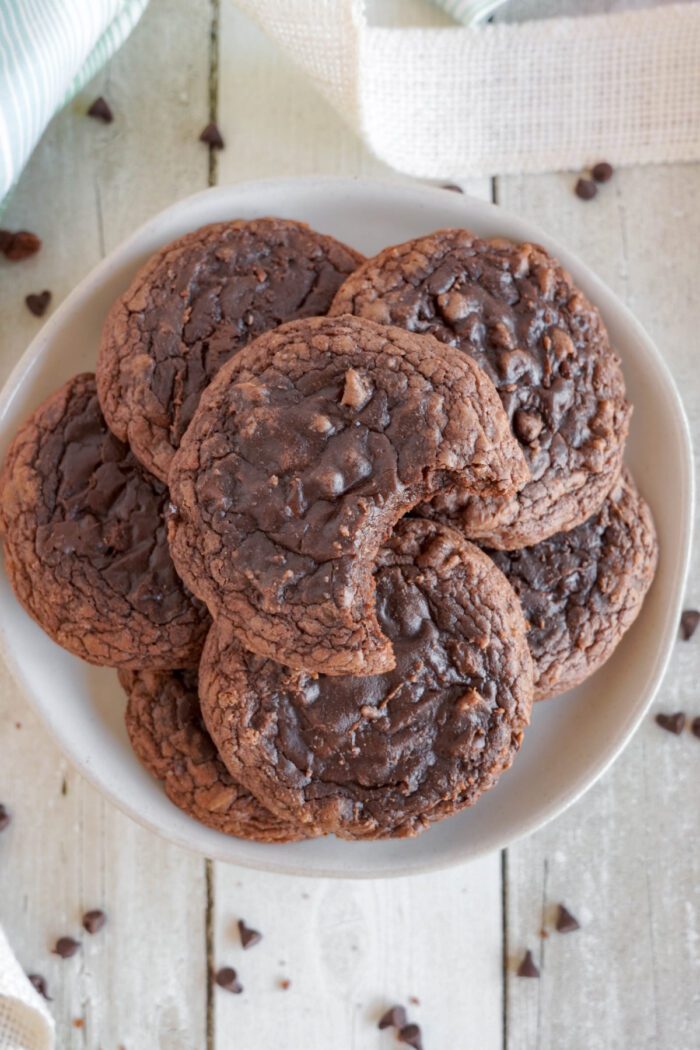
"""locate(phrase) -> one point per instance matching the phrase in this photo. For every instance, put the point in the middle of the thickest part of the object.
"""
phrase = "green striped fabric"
(49, 49)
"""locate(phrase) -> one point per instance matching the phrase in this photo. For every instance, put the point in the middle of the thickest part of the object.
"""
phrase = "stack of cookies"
(336, 522)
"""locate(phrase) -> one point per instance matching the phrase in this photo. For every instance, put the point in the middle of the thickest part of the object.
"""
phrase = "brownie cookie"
(517, 313)
(165, 727)
(193, 305)
(85, 540)
(304, 452)
(581, 590)
(384, 755)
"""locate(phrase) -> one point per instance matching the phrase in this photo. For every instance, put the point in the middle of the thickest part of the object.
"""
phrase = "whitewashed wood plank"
(349, 949)
(142, 981)
(624, 859)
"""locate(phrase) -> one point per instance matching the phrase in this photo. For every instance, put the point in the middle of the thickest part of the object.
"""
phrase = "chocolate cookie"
(305, 450)
(165, 727)
(581, 590)
(517, 313)
(385, 755)
(192, 307)
(85, 540)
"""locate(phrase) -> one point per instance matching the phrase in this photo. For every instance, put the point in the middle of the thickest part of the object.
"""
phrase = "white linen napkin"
(25, 1022)
(547, 95)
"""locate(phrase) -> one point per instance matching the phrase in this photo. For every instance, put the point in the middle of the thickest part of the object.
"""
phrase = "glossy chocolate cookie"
(385, 755)
(194, 305)
(517, 313)
(85, 540)
(165, 727)
(581, 590)
(304, 452)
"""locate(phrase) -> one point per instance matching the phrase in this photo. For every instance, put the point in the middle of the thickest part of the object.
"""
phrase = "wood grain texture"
(624, 859)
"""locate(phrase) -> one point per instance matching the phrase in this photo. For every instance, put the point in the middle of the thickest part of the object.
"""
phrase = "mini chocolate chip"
(414, 1000)
(453, 187)
(602, 172)
(586, 189)
(22, 245)
(100, 110)
(66, 947)
(212, 136)
(227, 978)
(527, 967)
(249, 938)
(690, 618)
(395, 1017)
(5, 818)
(410, 1035)
(285, 983)
(672, 723)
(39, 983)
(78, 1022)
(695, 727)
(566, 922)
(93, 921)
(37, 304)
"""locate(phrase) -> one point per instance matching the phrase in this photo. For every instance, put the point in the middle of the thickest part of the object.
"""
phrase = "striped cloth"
(49, 49)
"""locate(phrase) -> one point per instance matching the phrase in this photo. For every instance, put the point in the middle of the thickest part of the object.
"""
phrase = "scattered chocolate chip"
(100, 110)
(5, 818)
(39, 983)
(66, 947)
(602, 172)
(227, 978)
(395, 1017)
(38, 304)
(672, 723)
(94, 920)
(212, 136)
(249, 938)
(78, 1022)
(410, 1035)
(5, 239)
(414, 1000)
(21, 245)
(586, 189)
(690, 618)
(285, 983)
(566, 922)
(453, 187)
(527, 967)
(695, 727)
(543, 934)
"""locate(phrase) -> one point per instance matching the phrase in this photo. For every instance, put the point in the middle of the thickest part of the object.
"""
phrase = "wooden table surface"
(625, 859)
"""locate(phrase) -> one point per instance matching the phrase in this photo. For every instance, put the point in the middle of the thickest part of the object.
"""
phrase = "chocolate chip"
(566, 922)
(66, 947)
(602, 172)
(672, 723)
(690, 618)
(586, 189)
(453, 187)
(21, 245)
(93, 921)
(100, 110)
(395, 1017)
(527, 967)
(414, 1000)
(78, 1022)
(410, 1035)
(249, 938)
(227, 978)
(212, 136)
(285, 983)
(695, 727)
(37, 304)
(39, 983)
(5, 818)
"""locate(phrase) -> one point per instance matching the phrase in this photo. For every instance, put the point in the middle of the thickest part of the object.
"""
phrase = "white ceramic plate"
(572, 740)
